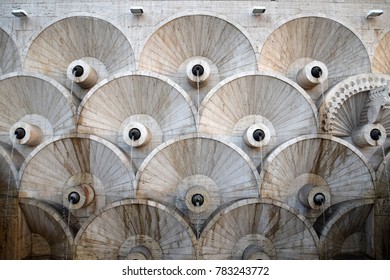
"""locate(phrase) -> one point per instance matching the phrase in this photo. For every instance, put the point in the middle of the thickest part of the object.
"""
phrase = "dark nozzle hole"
(197, 200)
(198, 70)
(316, 72)
(20, 133)
(134, 134)
(319, 199)
(258, 135)
(375, 134)
(78, 71)
(73, 197)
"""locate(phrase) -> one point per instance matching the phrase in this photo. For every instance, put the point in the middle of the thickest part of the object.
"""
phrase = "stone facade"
(196, 130)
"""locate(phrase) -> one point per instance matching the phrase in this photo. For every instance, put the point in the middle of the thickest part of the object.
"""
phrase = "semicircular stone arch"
(196, 174)
(81, 172)
(98, 43)
(257, 100)
(312, 172)
(258, 229)
(137, 99)
(136, 229)
(346, 230)
(306, 39)
(39, 105)
(218, 45)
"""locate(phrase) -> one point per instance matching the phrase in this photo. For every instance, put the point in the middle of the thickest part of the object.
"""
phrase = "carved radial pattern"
(272, 227)
(71, 161)
(44, 220)
(257, 98)
(381, 59)
(221, 44)
(341, 110)
(315, 38)
(9, 54)
(327, 162)
(118, 229)
(38, 101)
(159, 105)
(345, 230)
(179, 169)
(75, 38)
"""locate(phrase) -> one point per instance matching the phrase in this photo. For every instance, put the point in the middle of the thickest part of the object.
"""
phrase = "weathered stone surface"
(179, 105)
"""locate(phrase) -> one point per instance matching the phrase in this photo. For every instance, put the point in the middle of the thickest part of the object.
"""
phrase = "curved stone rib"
(273, 227)
(114, 231)
(71, 161)
(155, 102)
(99, 42)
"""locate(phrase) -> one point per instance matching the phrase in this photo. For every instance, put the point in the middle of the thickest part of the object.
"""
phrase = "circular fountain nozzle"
(82, 74)
(319, 199)
(198, 70)
(375, 134)
(316, 72)
(258, 135)
(369, 135)
(23, 133)
(312, 74)
(78, 196)
(134, 134)
(20, 133)
(197, 200)
(73, 197)
(78, 71)
(314, 196)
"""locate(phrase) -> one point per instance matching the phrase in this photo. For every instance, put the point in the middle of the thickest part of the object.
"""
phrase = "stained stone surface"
(196, 130)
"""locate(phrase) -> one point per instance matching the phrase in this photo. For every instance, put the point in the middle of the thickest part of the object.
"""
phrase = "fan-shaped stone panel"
(312, 172)
(9, 55)
(98, 43)
(196, 174)
(258, 101)
(83, 173)
(345, 230)
(135, 101)
(220, 47)
(258, 229)
(304, 40)
(381, 58)
(135, 229)
(43, 220)
(39, 105)
(345, 105)
(10, 162)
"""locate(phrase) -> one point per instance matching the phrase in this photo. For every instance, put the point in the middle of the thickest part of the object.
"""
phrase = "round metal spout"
(78, 71)
(197, 200)
(375, 134)
(20, 133)
(197, 70)
(316, 72)
(319, 199)
(258, 135)
(73, 197)
(134, 134)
